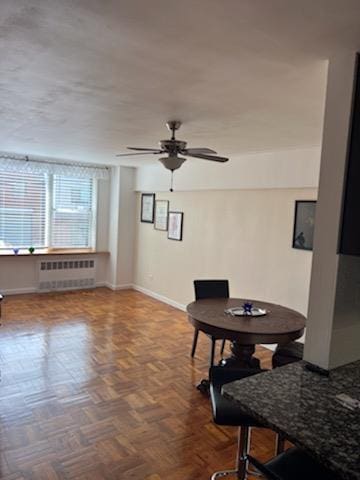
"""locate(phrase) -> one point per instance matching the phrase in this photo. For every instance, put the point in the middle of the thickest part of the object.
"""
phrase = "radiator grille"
(67, 264)
(66, 274)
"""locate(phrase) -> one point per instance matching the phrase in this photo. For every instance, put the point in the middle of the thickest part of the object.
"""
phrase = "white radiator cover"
(67, 274)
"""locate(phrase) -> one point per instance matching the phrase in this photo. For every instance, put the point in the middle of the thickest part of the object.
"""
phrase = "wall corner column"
(121, 227)
(319, 345)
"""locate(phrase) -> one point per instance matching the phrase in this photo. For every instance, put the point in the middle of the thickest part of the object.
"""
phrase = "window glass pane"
(72, 212)
(22, 210)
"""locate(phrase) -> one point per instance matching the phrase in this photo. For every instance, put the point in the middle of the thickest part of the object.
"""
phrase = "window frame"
(49, 215)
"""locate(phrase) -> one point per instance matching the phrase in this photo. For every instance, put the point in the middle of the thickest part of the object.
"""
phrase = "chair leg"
(241, 457)
(222, 347)
(195, 339)
(212, 351)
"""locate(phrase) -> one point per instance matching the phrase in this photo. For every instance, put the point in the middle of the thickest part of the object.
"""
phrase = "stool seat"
(289, 353)
(293, 464)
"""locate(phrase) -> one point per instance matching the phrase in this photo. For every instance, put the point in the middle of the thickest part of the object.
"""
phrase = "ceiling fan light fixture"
(172, 162)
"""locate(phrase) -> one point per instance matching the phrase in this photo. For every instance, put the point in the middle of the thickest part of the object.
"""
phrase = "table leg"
(241, 357)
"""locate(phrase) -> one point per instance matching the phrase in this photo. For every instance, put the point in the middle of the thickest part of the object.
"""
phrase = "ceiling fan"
(173, 148)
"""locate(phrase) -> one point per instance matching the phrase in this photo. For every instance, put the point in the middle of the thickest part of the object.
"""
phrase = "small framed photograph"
(147, 207)
(175, 225)
(161, 215)
(304, 222)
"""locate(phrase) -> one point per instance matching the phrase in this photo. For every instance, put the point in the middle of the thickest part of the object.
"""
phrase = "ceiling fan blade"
(139, 153)
(199, 150)
(144, 149)
(214, 158)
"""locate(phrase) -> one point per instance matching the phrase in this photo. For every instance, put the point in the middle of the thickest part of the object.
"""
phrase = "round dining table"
(279, 325)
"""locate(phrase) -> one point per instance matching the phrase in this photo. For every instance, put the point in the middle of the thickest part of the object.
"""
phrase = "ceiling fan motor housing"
(172, 146)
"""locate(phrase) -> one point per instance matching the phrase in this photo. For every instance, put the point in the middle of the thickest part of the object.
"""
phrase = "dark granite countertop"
(302, 405)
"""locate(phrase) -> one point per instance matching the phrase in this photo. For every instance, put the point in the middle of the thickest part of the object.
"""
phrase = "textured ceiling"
(82, 79)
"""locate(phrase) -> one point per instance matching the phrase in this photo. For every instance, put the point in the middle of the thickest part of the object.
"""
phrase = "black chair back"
(211, 289)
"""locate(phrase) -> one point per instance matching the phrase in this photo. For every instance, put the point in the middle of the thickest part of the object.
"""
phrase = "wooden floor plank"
(99, 385)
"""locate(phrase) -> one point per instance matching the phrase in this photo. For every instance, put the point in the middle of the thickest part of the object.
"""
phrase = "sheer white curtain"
(15, 163)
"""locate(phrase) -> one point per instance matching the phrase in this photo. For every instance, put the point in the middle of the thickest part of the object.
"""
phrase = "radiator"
(66, 274)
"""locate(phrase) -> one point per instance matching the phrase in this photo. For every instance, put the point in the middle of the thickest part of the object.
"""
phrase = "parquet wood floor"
(99, 385)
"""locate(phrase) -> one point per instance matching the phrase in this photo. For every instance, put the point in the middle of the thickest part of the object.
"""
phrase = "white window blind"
(72, 212)
(44, 210)
(22, 210)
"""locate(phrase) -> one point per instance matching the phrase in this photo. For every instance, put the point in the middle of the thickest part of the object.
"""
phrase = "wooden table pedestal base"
(242, 357)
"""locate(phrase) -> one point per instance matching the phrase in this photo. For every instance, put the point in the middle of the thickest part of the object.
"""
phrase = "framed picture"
(147, 207)
(161, 215)
(303, 236)
(175, 225)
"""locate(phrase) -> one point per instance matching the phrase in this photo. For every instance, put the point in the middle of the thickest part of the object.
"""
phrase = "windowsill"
(50, 251)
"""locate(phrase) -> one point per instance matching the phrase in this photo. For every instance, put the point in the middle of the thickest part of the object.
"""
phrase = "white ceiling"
(82, 79)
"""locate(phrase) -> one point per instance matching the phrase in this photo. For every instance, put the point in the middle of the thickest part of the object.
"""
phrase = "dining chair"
(228, 413)
(292, 464)
(209, 289)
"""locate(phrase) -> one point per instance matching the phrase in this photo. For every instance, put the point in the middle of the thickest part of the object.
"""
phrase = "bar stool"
(226, 412)
(293, 464)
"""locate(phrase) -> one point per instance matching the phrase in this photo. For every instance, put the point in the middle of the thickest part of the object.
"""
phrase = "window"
(44, 210)
(72, 212)
(22, 210)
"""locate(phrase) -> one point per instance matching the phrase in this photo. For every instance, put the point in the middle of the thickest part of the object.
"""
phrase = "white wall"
(248, 228)
(242, 235)
(297, 168)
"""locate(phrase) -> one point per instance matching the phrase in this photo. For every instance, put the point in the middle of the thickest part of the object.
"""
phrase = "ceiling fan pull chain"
(172, 179)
